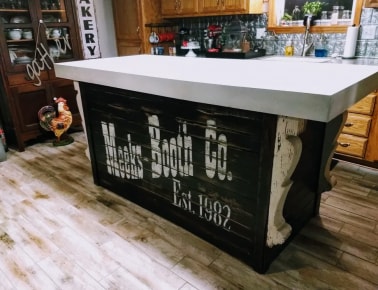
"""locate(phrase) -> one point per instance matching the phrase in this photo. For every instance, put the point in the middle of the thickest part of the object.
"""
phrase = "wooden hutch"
(35, 34)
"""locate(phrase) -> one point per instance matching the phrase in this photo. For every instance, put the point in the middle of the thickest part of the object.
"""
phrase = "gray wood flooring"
(60, 231)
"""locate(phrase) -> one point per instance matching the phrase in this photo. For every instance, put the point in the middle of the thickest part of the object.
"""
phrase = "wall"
(105, 27)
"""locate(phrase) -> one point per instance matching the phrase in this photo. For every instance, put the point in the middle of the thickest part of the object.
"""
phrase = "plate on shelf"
(49, 18)
(19, 19)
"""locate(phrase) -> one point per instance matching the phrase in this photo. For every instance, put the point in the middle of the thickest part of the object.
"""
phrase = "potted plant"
(286, 19)
(311, 11)
(313, 8)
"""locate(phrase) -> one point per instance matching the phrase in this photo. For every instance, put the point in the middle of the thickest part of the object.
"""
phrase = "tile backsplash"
(367, 43)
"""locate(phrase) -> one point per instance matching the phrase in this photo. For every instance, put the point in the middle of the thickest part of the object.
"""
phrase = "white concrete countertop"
(314, 91)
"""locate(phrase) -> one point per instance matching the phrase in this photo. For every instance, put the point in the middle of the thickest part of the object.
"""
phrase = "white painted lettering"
(88, 24)
(124, 162)
(181, 199)
(170, 158)
(216, 153)
(85, 11)
(92, 49)
(88, 28)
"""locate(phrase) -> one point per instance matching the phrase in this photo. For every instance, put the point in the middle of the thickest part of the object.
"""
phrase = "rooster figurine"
(58, 124)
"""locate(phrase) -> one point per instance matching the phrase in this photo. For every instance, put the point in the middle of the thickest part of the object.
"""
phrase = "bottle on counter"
(321, 47)
(289, 48)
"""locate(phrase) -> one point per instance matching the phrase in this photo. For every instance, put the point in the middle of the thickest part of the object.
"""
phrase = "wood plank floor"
(60, 231)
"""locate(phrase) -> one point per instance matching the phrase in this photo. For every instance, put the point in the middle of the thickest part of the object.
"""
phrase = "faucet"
(306, 46)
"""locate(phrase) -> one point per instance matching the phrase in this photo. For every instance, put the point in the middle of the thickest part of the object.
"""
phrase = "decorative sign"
(200, 167)
(43, 59)
(88, 28)
(172, 158)
(241, 180)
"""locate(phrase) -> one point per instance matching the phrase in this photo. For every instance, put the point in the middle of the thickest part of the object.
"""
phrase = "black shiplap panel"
(222, 208)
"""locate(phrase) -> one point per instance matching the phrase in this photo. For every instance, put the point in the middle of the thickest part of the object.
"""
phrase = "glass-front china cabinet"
(34, 35)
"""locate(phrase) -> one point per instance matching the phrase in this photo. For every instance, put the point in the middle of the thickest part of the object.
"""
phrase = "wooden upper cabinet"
(130, 19)
(179, 7)
(174, 8)
(210, 6)
(127, 19)
(371, 3)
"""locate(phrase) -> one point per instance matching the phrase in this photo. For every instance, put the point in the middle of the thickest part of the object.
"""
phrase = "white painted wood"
(287, 151)
(298, 89)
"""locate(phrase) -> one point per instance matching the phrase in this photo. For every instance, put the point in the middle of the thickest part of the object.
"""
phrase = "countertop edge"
(318, 107)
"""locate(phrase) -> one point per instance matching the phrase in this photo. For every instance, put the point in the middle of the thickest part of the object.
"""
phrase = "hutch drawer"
(351, 145)
(358, 125)
(365, 106)
(21, 78)
(358, 141)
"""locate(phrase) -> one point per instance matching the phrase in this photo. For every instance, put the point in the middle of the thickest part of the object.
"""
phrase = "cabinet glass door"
(35, 30)
(18, 31)
(53, 11)
(57, 31)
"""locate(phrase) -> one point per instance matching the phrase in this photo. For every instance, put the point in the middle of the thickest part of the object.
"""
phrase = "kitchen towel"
(351, 42)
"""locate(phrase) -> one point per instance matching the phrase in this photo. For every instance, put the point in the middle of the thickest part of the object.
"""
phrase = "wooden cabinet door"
(169, 7)
(371, 3)
(127, 26)
(234, 5)
(188, 6)
(129, 47)
(211, 6)
(28, 99)
(179, 7)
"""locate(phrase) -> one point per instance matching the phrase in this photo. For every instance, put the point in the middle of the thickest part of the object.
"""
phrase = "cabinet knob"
(348, 124)
(344, 144)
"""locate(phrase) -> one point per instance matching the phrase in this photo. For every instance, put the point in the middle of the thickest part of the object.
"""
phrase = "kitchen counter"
(235, 151)
(314, 91)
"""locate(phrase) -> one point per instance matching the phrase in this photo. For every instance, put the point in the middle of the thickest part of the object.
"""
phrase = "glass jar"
(336, 14)
(269, 43)
(338, 10)
(324, 18)
(296, 13)
(346, 14)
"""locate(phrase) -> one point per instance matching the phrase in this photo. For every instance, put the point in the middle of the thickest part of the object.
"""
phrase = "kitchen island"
(235, 151)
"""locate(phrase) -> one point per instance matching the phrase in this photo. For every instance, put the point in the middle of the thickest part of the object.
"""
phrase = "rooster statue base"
(57, 120)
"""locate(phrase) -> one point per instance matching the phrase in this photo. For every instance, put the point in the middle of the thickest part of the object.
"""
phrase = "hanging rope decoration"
(42, 58)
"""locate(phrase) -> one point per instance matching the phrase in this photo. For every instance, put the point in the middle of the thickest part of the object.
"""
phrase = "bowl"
(27, 34)
(15, 34)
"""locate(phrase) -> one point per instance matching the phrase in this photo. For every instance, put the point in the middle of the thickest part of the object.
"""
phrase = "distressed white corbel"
(287, 151)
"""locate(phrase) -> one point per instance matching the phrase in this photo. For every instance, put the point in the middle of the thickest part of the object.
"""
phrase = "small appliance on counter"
(236, 43)
(234, 36)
